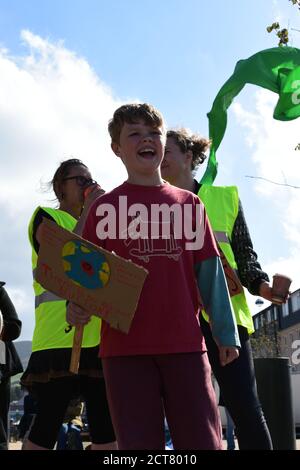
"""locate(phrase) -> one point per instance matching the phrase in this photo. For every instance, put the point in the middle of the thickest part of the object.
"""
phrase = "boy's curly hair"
(131, 114)
(188, 141)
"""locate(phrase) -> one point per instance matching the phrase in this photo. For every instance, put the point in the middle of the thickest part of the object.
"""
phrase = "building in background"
(277, 331)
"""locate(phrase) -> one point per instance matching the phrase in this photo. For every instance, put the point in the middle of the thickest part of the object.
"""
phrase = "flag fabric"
(276, 69)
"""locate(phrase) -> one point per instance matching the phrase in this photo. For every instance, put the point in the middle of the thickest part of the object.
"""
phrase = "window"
(285, 309)
(256, 324)
(274, 312)
(295, 300)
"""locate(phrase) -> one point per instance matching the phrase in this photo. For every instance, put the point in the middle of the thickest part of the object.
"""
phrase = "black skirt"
(53, 363)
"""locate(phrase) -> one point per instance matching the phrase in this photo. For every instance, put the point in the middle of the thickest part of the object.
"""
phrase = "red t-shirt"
(166, 317)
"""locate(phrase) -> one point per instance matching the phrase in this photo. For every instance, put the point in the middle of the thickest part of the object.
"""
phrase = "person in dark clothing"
(184, 152)
(229, 431)
(10, 363)
(69, 436)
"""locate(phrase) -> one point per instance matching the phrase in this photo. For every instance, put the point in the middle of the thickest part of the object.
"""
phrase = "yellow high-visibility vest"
(221, 204)
(50, 310)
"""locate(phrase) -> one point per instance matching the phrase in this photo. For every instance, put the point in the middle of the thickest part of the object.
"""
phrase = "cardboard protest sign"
(97, 280)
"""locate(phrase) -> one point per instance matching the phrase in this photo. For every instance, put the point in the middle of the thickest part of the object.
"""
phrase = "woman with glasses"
(47, 375)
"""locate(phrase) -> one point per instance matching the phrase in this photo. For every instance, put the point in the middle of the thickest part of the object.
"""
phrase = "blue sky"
(143, 49)
(65, 65)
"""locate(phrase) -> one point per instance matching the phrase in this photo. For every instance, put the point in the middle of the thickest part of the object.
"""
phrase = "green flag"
(278, 70)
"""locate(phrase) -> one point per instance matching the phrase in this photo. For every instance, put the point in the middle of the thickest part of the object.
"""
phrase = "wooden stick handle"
(76, 349)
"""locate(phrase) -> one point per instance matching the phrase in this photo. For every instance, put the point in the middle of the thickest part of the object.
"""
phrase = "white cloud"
(272, 146)
(52, 106)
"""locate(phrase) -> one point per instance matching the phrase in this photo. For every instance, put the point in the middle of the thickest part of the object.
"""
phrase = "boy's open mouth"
(147, 153)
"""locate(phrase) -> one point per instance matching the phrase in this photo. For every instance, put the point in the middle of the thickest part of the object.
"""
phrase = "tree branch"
(273, 182)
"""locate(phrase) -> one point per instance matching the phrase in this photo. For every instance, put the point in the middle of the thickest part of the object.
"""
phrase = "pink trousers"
(141, 390)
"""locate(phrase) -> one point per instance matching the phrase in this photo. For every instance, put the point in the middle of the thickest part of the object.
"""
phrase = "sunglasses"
(82, 181)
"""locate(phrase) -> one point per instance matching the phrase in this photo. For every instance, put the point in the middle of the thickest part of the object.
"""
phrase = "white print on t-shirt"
(162, 222)
(147, 247)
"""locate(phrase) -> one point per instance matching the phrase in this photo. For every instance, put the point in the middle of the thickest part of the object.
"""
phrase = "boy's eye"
(156, 132)
(133, 133)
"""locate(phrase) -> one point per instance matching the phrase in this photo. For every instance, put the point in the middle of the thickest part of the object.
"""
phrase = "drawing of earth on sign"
(85, 266)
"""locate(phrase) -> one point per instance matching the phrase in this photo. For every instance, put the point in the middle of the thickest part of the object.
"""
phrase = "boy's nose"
(147, 137)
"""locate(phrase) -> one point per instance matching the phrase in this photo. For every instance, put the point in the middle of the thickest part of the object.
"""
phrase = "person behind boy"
(160, 367)
(184, 153)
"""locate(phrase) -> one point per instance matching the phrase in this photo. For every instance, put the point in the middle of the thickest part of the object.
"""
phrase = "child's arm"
(214, 293)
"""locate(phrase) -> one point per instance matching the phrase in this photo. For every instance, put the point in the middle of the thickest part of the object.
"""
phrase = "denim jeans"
(229, 431)
(69, 437)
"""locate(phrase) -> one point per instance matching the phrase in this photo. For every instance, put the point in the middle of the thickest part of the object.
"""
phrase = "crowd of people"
(192, 317)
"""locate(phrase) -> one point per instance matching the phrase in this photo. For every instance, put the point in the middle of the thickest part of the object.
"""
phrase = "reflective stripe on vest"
(46, 297)
(221, 237)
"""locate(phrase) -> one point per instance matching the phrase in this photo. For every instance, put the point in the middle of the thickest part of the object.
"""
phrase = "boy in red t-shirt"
(160, 367)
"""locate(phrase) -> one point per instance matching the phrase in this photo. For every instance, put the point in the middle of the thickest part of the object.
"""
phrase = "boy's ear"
(115, 148)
